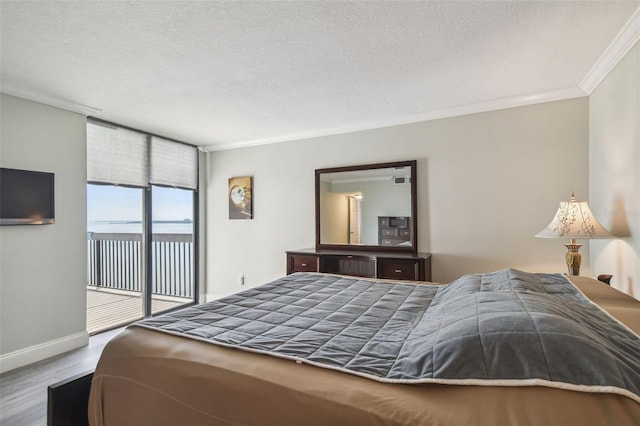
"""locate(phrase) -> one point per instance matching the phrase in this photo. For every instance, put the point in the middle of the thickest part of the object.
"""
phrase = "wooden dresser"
(400, 266)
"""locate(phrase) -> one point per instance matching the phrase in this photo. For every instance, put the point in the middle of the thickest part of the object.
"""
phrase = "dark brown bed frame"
(68, 401)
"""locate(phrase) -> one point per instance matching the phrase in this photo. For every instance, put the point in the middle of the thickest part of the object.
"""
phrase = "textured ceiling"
(223, 73)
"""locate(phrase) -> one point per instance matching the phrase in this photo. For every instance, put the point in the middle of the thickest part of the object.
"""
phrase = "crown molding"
(621, 44)
(48, 100)
(494, 105)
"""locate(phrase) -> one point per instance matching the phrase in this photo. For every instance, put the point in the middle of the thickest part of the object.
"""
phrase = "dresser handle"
(398, 270)
(304, 264)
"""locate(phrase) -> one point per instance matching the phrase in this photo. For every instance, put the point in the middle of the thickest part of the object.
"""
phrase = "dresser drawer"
(401, 269)
(388, 232)
(302, 263)
(393, 241)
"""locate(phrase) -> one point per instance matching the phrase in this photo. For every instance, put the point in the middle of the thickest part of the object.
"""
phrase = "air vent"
(400, 180)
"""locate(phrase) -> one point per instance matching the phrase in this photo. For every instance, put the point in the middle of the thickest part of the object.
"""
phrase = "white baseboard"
(42, 351)
(208, 297)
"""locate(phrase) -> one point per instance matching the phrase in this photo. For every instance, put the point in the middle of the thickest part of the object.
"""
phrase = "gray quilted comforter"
(505, 328)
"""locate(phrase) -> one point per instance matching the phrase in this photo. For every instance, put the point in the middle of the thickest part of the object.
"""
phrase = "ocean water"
(164, 227)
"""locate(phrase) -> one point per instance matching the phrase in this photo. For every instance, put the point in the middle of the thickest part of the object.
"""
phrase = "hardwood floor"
(23, 391)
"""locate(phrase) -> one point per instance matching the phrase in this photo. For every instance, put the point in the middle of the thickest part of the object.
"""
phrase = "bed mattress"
(151, 377)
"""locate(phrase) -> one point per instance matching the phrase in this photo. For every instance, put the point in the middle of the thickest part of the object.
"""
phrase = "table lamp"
(573, 220)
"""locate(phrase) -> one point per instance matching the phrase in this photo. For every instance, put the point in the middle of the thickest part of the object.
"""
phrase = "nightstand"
(605, 278)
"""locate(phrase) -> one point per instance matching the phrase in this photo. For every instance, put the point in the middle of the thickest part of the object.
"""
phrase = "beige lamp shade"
(574, 219)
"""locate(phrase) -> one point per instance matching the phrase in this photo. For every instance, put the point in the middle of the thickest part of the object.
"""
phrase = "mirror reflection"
(369, 207)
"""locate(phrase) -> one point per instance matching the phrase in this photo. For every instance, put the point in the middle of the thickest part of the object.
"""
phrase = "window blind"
(117, 156)
(173, 164)
(120, 156)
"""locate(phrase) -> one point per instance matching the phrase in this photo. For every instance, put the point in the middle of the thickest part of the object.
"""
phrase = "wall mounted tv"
(26, 197)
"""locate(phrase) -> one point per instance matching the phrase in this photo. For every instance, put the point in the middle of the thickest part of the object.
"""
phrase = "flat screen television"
(26, 197)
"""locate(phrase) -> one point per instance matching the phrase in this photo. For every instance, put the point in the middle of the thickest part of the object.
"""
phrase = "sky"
(116, 203)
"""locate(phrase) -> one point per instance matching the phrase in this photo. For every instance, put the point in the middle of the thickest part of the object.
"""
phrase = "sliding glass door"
(115, 279)
(172, 254)
(142, 225)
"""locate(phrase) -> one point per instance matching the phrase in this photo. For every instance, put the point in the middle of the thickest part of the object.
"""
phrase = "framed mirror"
(370, 207)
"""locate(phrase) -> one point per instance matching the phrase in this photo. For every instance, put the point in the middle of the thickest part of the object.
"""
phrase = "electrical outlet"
(241, 278)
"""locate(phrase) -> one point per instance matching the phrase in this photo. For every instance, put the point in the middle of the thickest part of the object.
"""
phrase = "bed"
(191, 370)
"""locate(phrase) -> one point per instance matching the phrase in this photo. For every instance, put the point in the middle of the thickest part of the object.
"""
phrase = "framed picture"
(240, 197)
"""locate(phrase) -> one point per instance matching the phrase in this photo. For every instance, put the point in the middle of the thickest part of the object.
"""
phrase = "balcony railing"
(115, 262)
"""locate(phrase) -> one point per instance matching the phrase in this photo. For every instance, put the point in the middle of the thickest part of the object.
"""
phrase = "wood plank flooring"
(106, 310)
(23, 391)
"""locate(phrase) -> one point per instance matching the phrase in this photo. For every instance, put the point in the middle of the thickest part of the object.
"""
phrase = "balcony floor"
(107, 309)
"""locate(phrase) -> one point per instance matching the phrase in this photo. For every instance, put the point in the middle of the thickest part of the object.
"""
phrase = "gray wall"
(43, 268)
(486, 184)
(614, 178)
